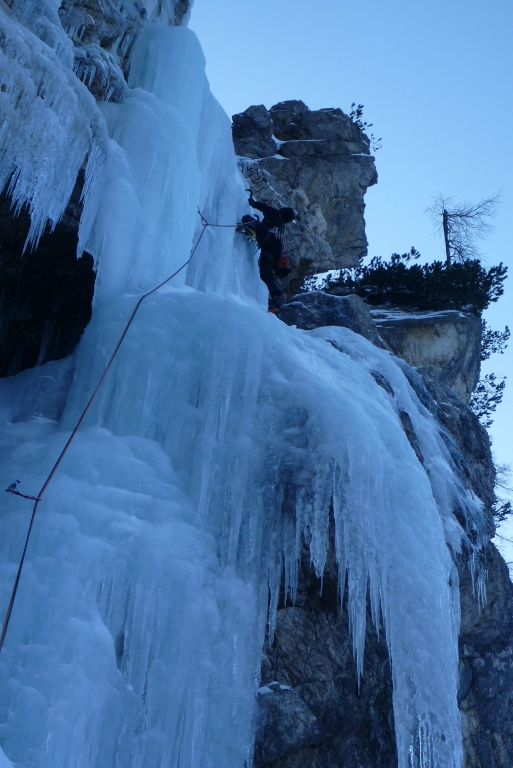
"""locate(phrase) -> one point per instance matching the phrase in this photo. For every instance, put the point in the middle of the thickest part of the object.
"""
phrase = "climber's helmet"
(287, 215)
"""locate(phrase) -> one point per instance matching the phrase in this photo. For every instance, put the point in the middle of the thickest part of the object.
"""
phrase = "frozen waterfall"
(220, 438)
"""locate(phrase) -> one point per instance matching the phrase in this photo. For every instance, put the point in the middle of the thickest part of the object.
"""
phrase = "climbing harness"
(37, 499)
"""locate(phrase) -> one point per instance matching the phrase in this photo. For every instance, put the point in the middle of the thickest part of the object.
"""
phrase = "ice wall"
(219, 439)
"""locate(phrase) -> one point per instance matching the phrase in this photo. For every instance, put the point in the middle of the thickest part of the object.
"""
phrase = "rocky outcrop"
(486, 668)
(444, 345)
(311, 710)
(319, 163)
(317, 309)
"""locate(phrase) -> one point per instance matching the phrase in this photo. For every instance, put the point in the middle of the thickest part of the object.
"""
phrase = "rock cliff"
(311, 710)
(444, 345)
(319, 163)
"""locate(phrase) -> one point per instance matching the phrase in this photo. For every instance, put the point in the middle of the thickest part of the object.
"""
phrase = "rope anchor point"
(12, 489)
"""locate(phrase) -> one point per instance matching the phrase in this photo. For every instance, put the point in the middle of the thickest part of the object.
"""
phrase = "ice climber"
(269, 236)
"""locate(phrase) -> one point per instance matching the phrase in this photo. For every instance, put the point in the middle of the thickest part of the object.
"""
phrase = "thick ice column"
(147, 215)
(169, 63)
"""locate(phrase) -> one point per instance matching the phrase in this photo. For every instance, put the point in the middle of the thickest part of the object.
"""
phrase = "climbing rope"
(37, 499)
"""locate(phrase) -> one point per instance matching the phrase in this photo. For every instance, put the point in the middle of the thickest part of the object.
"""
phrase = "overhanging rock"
(319, 163)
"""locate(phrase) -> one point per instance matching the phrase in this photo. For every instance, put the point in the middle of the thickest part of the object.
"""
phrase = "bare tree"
(502, 507)
(462, 225)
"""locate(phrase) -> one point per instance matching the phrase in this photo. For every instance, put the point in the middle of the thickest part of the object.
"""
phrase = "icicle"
(51, 127)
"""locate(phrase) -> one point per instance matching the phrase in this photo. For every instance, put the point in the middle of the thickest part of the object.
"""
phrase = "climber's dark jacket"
(272, 216)
(269, 231)
(269, 234)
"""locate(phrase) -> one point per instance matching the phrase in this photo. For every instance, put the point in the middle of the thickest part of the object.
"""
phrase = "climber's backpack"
(282, 267)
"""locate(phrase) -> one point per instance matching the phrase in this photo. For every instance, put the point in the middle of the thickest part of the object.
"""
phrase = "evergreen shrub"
(466, 286)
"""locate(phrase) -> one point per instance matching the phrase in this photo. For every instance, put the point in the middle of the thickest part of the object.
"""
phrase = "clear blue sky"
(436, 81)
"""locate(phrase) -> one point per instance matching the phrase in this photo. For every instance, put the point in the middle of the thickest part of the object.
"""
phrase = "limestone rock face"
(317, 309)
(311, 712)
(252, 133)
(317, 162)
(486, 668)
(444, 345)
